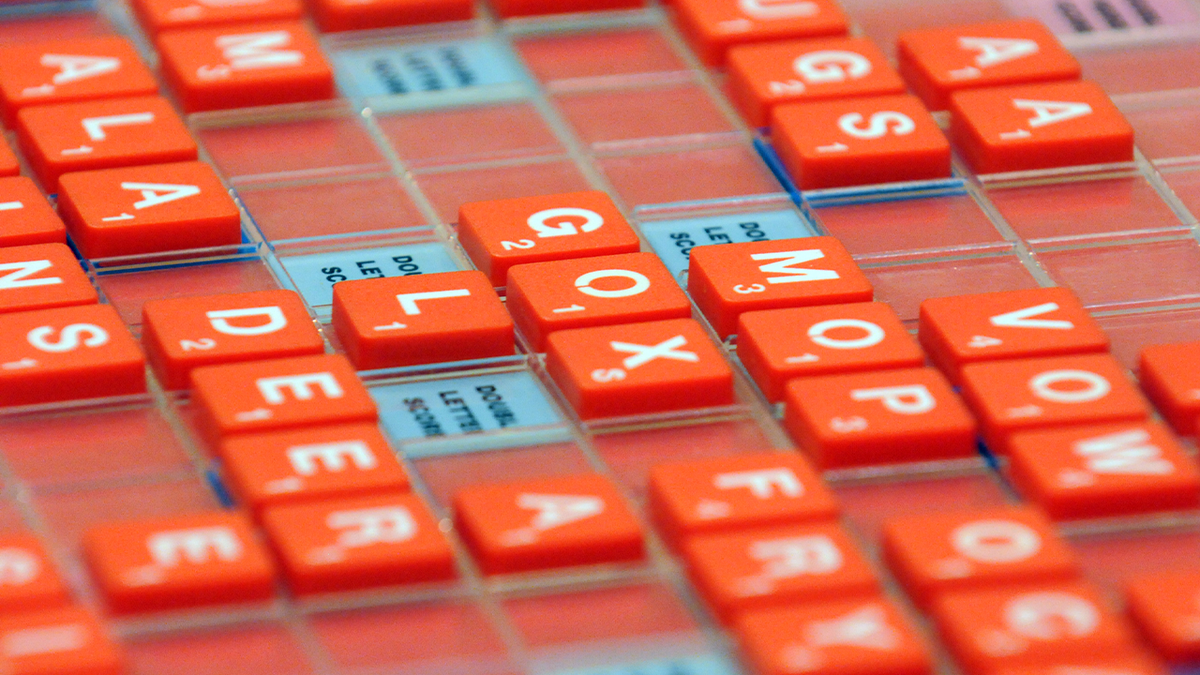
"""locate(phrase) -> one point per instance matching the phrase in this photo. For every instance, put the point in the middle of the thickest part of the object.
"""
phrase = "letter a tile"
(639, 368)
(541, 524)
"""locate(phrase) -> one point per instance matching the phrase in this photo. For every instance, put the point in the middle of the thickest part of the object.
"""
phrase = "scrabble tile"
(427, 318)
(937, 62)
(181, 334)
(547, 523)
(303, 391)
(1027, 394)
(65, 71)
(172, 563)
(66, 641)
(1035, 322)
(843, 637)
(148, 209)
(1112, 470)
(28, 580)
(728, 279)
(561, 294)
(68, 353)
(243, 65)
(358, 542)
(26, 217)
(340, 15)
(638, 368)
(777, 566)
(1031, 626)
(1170, 376)
(509, 8)
(738, 492)
(502, 233)
(1038, 126)
(42, 276)
(778, 345)
(9, 164)
(322, 463)
(885, 417)
(713, 26)
(859, 141)
(157, 16)
(762, 76)
(1166, 608)
(932, 554)
(59, 139)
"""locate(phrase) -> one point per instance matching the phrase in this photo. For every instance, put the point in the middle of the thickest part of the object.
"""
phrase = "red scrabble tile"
(1031, 627)
(713, 26)
(64, 71)
(1038, 126)
(1027, 394)
(186, 561)
(778, 345)
(762, 76)
(964, 329)
(885, 417)
(939, 61)
(728, 279)
(181, 334)
(859, 141)
(40, 277)
(561, 294)
(67, 641)
(28, 580)
(638, 368)
(777, 566)
(157, 16)
(933, 554)
(548, 523)
(1170, 376)
(1166, 607)
(339, 15)
(328, 462)
(506, 232)
(359, 542)
(427, 318)
(245, 65)
(26, 217)
(304, 391)
(9, 164)
(148, 209)
(508, 8)
(846, 637)
(68, 353)
(738, 492)
(59, 139)
(1112, 470)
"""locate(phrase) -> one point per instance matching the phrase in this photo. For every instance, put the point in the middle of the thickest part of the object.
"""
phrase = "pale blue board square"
(673, 240)
(418, 70)
(314, 275)
(702, 664)
(463, 405)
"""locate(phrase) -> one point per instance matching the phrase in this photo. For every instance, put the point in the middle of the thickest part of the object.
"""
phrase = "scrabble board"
(599, 337)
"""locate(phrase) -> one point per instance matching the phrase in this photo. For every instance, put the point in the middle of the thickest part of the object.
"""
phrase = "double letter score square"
(639, 368)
